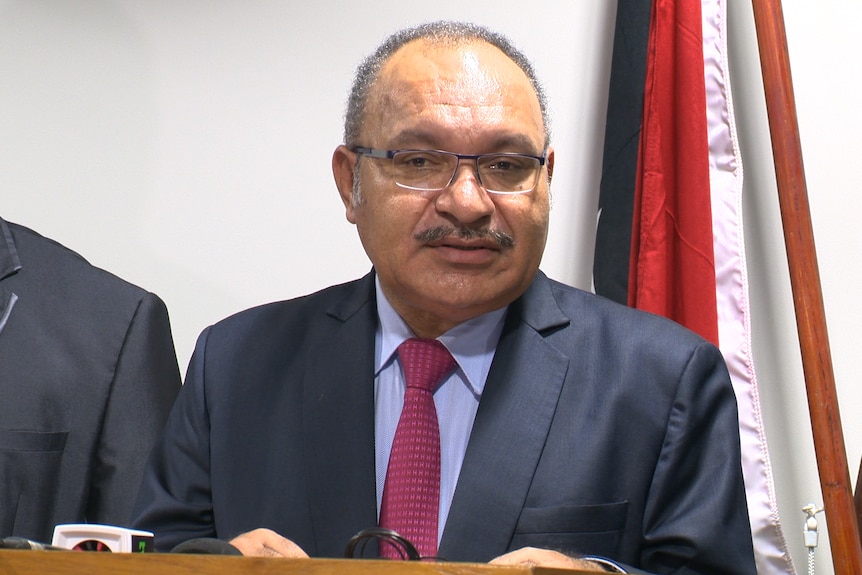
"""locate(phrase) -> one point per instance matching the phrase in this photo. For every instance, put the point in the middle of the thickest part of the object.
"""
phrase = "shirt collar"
(472, 343)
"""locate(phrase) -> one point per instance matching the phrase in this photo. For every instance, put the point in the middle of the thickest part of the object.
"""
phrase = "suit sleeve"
(146, 382)
(696, 516)
(175, 498)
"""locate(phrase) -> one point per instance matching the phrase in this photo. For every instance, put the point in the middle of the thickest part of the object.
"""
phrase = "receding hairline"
(427, 45)
(435, 35)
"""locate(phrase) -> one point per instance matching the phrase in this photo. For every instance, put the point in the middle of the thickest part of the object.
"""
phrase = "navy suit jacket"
(88, 375)
(601, 430)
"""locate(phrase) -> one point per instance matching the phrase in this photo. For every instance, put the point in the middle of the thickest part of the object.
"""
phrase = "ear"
(343, 164)
(549, 163)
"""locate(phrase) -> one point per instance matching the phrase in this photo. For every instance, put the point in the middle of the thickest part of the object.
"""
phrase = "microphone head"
(24, 543)
(206, 546)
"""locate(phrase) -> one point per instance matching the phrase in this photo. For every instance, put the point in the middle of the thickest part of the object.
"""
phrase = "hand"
(533, 557)
(267, 543)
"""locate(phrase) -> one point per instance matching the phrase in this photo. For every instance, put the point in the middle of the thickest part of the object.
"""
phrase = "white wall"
(185, 146)
(826, 75)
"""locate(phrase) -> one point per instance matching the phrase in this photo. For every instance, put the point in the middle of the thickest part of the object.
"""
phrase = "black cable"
(356, 546)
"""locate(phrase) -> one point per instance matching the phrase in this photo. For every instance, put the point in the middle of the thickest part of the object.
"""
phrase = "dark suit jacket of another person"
(601, 430)
(88, 374)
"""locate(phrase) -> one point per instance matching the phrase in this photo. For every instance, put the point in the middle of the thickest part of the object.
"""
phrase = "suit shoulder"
(602, 315)
(48, 263)
(299, 312)
(633, 346)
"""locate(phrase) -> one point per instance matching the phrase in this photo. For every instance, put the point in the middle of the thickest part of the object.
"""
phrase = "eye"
(419, 160)
(507, 163)
(501, 165)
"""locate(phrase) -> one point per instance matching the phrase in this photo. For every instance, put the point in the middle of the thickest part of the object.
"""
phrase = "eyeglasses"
(431, 170)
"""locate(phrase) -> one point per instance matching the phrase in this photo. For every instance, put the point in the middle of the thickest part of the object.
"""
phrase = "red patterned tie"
(411, 494)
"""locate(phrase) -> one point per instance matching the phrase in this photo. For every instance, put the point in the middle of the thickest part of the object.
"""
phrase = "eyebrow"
(512, 141)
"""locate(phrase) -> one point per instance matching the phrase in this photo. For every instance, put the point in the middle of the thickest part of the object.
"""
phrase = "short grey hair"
(438, 32)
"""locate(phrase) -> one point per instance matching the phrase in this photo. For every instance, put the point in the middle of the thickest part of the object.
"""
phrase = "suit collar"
(510, 430)
(538, 308)
(338, 420)
(9, 260)
(361, 294)
(10, 263)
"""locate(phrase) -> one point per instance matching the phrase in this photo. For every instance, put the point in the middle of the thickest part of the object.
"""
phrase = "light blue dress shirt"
(472, 344)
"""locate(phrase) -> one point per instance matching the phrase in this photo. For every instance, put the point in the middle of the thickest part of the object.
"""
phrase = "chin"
(461, 307)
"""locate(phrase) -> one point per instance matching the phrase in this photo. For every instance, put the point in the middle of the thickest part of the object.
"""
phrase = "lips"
(465, 253)
(464, 245)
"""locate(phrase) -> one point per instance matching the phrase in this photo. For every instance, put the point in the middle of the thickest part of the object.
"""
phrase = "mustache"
(437, 233)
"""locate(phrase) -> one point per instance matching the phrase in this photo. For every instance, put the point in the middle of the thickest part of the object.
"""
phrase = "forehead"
(468, 86)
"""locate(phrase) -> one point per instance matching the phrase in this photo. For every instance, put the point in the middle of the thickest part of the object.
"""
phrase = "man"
(569, 426)
(88, 374)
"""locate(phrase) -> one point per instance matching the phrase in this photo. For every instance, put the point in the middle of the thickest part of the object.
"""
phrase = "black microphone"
(206, 546)
(23, 543)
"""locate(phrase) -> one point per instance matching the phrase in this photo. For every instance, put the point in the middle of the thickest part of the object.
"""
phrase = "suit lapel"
(9, 265)
(510, 430)
(338, 422)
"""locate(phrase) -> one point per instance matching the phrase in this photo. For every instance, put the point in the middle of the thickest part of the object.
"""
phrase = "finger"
(267, 543)
(282, 547)
(533, 557)
(522, 557)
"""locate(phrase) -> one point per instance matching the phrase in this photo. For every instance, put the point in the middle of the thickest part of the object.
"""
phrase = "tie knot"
(426, 362)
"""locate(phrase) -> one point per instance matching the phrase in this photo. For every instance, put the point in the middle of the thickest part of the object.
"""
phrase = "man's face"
(467, 99)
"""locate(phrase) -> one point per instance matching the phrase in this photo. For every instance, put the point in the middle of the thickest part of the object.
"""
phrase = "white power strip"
(106, 538)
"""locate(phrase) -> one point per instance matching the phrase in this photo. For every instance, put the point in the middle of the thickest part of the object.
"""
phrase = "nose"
(464, 198)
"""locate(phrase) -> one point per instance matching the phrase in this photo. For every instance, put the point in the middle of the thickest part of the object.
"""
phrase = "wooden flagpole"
(805, 282)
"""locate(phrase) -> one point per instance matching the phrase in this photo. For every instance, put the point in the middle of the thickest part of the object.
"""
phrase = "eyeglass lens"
(433, 170)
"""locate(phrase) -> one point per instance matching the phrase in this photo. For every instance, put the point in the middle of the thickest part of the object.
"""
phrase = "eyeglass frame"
(390, 155)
